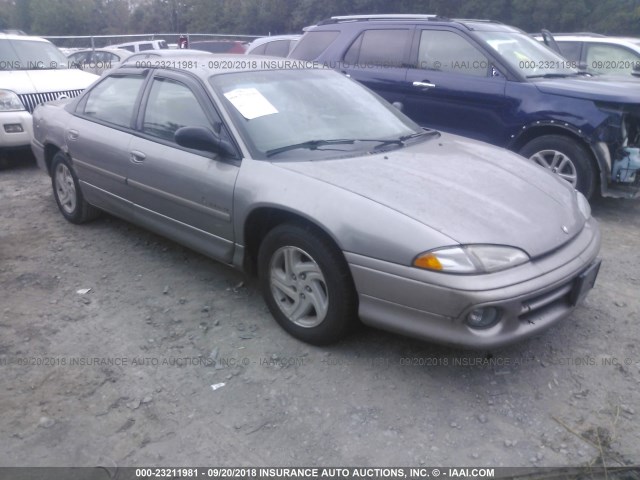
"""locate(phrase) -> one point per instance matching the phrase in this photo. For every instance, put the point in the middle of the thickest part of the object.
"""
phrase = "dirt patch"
(171, 358)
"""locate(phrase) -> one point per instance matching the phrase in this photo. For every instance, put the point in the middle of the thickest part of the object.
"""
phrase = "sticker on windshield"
(250, 103)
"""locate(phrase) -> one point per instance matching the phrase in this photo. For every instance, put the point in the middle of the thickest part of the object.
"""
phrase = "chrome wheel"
(65, 189)
(298, 286)
(559, 163)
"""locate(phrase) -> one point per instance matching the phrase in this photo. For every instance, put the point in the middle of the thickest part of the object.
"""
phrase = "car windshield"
(30, 55)
(530, 57)
(310, 114)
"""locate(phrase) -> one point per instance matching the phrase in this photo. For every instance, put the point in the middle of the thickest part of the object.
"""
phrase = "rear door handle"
(136, 156)
(72, 135)
(424, 84)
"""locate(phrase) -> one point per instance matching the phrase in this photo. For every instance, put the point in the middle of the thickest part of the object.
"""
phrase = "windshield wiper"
(309, 145)
(553, 75)
(382, 143)
(426, 131)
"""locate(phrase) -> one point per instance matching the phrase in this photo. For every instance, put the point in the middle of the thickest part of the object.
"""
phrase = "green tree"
(261, 17)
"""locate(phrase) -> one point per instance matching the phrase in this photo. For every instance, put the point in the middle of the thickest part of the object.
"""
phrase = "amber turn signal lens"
(428, 261)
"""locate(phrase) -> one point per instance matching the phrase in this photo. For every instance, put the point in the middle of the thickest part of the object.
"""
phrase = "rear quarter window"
(382, 48)
(312, 44)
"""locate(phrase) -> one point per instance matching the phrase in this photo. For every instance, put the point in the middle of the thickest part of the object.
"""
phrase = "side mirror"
(200, 138)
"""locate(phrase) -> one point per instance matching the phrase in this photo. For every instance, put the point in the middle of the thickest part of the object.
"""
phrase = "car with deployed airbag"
(343, 206)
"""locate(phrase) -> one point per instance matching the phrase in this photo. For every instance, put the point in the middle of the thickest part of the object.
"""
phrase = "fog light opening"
(13, 128)
(483, 317)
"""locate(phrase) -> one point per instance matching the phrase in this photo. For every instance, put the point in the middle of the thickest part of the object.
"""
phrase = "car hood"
(43, 81)
(470, 191)
(604, 89)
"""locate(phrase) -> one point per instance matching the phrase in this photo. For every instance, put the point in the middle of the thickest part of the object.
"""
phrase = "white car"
(275, 46)
(32, 71)
(598, 54)
(98, 60)
(142, 45)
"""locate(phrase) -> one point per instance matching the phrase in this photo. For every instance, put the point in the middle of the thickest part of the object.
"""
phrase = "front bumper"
(434, 306)
(10, 121)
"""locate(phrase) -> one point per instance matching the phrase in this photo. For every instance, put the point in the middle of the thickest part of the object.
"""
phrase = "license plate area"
(584, 283)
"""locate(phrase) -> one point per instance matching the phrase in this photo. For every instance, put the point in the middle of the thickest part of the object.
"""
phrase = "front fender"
(356, 224)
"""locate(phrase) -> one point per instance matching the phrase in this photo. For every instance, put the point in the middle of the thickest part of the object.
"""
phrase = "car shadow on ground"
(17, 160)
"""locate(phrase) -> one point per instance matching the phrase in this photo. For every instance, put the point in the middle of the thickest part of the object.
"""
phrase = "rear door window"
(114, 99)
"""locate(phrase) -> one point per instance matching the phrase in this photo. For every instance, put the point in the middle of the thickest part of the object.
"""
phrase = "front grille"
(32, 100)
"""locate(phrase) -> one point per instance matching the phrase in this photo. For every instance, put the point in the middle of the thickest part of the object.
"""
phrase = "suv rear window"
(313, 44)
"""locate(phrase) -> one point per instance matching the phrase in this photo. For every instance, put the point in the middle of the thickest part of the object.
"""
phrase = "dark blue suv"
(495, 83)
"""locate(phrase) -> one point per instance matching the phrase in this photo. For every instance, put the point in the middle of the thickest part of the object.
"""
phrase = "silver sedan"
(343, 206)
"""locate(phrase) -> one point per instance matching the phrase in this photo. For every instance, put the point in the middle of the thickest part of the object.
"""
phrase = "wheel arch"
(50, 151)
(551, 127)
(261, 220)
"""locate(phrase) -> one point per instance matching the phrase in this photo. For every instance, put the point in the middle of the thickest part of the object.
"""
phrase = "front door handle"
(72, 135)
(136, 156)
(424, 84)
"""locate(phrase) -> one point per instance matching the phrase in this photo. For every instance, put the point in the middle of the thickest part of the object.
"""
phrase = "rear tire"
(566, 158)
(306, 284)
(66, 190)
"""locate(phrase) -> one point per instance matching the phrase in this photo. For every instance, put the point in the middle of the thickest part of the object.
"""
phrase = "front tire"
(306, 284)
(66, 190)
(566, 158)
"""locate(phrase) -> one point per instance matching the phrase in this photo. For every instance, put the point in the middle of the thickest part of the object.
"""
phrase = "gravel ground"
(172, 359)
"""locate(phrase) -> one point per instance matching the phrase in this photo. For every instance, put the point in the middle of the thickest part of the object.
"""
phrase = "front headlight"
(583, 205)
(9, 101)
(471, 259)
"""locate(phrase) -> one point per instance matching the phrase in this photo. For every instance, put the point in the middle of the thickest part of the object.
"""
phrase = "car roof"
(273, 38)
(468, 23)
(209, 64)
(137, 42)
(628, 41)
(172, 52)
(119, 51)
(219, 40)
(11, 36)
